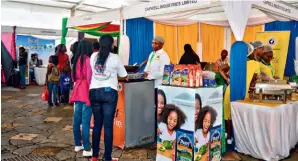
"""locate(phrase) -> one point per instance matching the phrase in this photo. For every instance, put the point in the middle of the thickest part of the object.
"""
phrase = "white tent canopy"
(47, 14)
(236, 14)
(199, 11)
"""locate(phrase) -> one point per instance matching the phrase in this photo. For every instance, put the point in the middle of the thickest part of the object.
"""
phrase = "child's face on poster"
(197, 107)
(206, 122)
(172, 120)
(160, 104)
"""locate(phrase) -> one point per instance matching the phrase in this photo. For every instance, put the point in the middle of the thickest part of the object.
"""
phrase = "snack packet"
(185, 145)
(166, 80)
(176, 75)
(184, 76)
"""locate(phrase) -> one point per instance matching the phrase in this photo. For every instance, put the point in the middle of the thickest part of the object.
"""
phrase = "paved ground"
(28, 126)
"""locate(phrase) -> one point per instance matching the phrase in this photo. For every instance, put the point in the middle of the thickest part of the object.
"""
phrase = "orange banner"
(119, 120)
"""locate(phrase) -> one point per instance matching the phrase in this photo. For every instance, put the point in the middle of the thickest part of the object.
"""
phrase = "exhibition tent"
(180, 13)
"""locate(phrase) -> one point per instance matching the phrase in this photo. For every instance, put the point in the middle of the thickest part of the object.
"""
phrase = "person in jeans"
(23, 56)
(52, 80)
(81, 75)
(103, 94)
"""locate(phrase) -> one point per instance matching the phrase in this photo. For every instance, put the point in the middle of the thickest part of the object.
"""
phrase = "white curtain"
(124, 49)
(237, 13)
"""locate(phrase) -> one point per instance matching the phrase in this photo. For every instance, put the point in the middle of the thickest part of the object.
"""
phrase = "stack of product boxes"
(183, 76)
(189, 118)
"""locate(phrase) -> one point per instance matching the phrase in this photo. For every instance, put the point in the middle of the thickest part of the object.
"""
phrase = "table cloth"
(40, 75)
(265, 130)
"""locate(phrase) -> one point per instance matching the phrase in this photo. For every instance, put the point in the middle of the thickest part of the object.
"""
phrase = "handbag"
(45, 94)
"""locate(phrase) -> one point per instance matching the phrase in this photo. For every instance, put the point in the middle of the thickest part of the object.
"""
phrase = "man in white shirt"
(158, 58)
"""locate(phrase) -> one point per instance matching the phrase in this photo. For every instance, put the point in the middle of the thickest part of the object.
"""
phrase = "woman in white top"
(106, 67)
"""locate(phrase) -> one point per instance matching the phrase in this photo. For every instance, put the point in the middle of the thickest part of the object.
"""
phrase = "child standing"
(52, 80)
(65, 82)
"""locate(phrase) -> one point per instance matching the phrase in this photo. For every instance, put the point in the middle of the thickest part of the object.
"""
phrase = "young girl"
(52, 79)
(172, 119)
(206, 119)
(81, 75)
(161, 102)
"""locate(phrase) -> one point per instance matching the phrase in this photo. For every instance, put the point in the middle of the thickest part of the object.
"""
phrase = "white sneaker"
(78, 148)
(230, 141)
(87, 153)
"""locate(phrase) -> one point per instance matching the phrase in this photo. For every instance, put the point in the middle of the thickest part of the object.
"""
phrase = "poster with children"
(185, 119)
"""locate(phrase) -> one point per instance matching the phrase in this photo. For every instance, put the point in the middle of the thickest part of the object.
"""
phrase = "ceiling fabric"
(177, 13)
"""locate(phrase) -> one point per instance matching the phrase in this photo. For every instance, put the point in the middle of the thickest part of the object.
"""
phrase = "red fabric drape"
(13, 44)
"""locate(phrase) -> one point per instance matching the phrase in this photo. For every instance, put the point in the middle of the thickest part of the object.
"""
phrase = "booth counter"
(134, 122)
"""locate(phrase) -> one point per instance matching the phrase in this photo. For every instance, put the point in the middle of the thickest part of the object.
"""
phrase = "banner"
(43, 47)
(279, 41)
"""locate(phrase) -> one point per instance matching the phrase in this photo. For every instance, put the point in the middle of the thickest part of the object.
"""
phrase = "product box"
(184, 146)
(166, 80)
(184, 76)
(215, 143)
(176, 75)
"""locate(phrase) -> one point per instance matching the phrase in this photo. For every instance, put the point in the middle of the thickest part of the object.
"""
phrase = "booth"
(35, 41)
(235, 14)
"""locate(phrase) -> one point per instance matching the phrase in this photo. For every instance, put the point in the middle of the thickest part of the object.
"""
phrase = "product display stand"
(190, 126)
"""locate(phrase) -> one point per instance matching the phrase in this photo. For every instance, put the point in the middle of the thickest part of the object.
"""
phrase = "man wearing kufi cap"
(259, 49)
(158, 58)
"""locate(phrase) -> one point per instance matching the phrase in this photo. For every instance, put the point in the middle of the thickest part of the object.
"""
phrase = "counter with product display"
(189, 115)
(189, 136)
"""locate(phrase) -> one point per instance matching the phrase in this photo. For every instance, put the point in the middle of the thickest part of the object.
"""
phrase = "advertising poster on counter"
(189, 123)
(43, 47)
(119, 120)
(279, 41)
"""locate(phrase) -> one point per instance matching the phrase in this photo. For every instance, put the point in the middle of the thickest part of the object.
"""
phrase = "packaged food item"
(184, 76)
(184, 146)
(176, 75)
(166, 80)
(191, 75)
(198, 79)
(215, 143)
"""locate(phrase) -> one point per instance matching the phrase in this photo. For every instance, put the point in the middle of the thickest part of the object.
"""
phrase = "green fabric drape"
(64, 30)
(97, 33)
